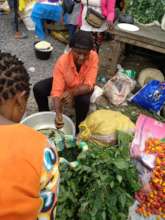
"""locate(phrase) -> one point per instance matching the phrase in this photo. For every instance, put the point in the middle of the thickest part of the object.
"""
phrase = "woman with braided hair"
(28, 162)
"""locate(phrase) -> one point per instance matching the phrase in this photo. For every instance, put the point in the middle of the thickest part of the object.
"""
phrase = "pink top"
(108, 9)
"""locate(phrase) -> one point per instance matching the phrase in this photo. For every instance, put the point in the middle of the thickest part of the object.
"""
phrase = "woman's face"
(80, 55)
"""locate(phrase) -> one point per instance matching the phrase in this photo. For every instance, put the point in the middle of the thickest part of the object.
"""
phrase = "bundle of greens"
(146, 11)
(101, 187)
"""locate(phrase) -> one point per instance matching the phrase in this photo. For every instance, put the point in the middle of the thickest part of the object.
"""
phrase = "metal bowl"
(45, 120)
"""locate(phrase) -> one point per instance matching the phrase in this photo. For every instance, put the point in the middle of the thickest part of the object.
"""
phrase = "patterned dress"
(49, 183)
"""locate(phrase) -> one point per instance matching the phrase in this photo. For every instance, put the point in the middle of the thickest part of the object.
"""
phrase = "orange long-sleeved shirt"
(65, 75)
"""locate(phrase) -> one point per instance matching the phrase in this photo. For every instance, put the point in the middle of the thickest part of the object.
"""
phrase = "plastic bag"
(151, 97)
(26, 16)
(163, 23)
(96, 93)
(134, 216)
(118, 88)
(101, 126)
(146, 127)
(4, 6)
(147, 150)
(68, 6)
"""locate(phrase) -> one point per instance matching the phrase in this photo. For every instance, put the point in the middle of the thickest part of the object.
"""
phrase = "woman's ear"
(21, 99)
(18, 106)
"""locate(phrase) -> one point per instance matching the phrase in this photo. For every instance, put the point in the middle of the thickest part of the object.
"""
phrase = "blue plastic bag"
(151, 97)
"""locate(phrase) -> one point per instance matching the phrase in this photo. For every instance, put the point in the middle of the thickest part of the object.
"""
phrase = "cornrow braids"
(13, 77)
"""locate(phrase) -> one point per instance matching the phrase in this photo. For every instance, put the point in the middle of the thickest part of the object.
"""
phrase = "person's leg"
(11, 4)
(41, 92)
(71, 30)
(98, 38)
(16, 15)
(82, 103)
(39, 27)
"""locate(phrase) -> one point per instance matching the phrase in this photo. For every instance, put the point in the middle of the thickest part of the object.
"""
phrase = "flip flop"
(19, 35)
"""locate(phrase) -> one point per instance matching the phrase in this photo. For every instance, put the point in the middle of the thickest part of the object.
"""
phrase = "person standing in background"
(104, 7)
(14, 5)
(72, 19)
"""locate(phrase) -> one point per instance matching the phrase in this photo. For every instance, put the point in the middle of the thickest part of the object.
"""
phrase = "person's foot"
(19, 35)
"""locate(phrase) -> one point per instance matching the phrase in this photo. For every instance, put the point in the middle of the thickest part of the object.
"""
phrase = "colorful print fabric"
(49, 183)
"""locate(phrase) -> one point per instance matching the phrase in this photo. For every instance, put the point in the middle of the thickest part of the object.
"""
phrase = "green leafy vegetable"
(101, 187)
(146, 11)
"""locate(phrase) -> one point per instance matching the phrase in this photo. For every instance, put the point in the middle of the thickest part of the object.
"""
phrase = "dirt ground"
(42, 69)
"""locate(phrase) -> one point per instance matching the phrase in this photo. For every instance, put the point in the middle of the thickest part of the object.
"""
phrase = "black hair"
(13, 77)
(82, 40)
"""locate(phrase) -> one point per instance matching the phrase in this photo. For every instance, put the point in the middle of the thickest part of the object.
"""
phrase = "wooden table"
(152, 38)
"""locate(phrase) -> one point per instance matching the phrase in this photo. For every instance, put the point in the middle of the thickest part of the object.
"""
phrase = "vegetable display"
(146, 11)
(153, 202)
(101, 187)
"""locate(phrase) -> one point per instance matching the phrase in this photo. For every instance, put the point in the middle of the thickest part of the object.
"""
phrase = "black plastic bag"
(68, 6)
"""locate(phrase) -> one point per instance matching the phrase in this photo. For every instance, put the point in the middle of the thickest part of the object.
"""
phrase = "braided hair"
(13, 77)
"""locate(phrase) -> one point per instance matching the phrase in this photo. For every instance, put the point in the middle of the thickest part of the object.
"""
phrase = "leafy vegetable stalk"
(101, 187)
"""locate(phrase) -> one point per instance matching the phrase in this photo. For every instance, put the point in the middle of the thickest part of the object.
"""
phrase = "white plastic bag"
(96, 93)
(26, 16)
(134, 216)
(163, 23)
(4, 6)
(118, 88)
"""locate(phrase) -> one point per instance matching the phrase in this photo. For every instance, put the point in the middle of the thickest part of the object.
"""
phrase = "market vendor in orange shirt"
(74, 77)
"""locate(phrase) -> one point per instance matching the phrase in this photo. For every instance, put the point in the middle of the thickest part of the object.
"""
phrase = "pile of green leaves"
(132, 111)
(101, 187)
(146, 11)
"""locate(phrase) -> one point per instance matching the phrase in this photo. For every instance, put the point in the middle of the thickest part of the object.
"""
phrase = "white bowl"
(128, 27)
(45, 120)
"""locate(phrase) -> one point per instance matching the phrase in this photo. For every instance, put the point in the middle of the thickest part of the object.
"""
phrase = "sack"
(101, 127)
(118, 88)
(94, 18)
(68, 6)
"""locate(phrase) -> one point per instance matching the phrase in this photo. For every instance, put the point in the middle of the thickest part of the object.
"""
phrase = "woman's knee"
(37, 88)
(43, 87)
(83, 100)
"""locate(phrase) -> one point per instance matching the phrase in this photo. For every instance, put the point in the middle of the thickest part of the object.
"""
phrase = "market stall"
(151, 38)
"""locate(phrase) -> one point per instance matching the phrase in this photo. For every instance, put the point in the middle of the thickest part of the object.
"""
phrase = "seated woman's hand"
(59, 121)
(67, 98)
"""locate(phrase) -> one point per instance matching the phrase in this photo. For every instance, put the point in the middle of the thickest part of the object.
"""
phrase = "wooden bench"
(152, 38)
